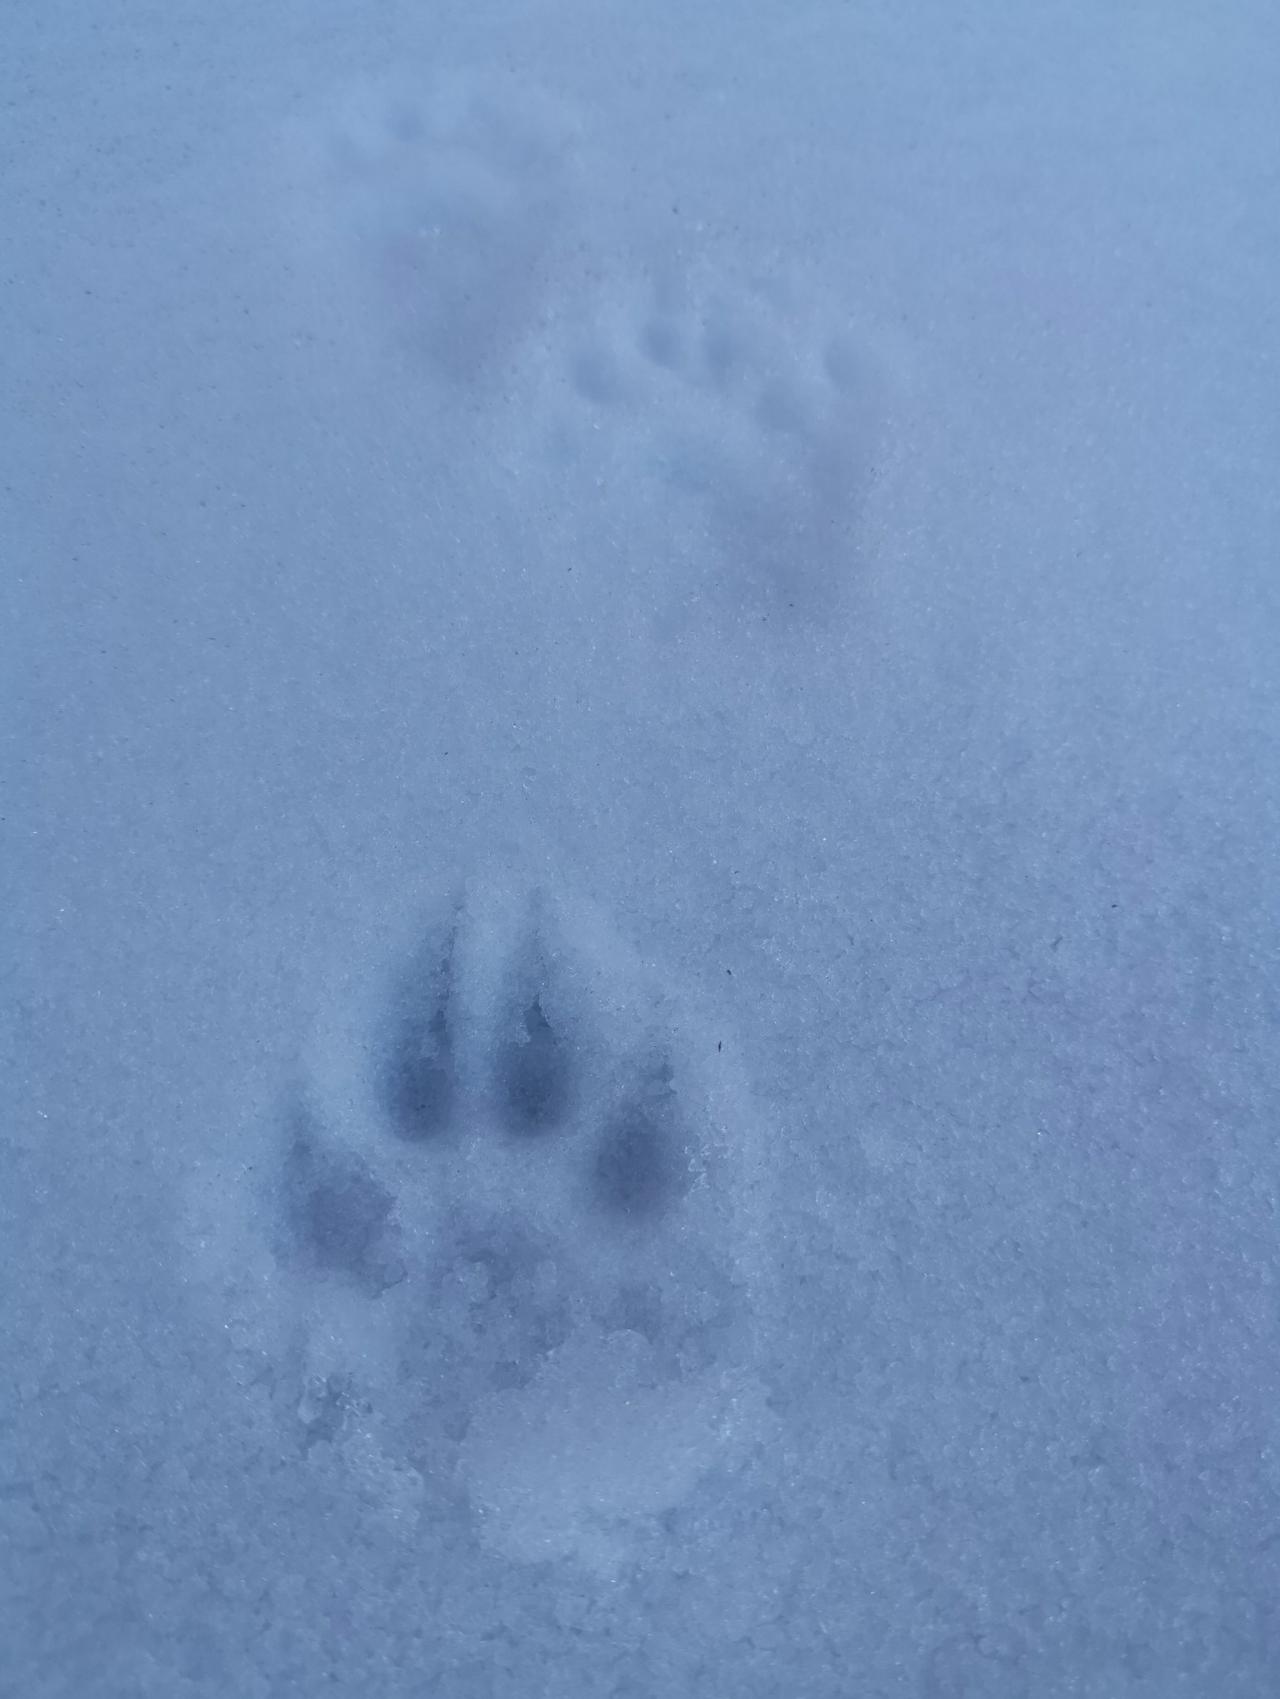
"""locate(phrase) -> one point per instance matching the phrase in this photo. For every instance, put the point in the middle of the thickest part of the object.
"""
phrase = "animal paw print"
(447, 204)
(519, 1225)
(748, 420)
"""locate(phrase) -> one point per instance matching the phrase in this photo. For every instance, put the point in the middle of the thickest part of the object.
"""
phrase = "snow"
(642, 829)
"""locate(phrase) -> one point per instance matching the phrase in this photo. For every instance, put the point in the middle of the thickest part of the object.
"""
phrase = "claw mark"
(535, 1075)
(418, 1076)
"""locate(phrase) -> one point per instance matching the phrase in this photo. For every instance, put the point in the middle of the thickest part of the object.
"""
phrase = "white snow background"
(641, 849)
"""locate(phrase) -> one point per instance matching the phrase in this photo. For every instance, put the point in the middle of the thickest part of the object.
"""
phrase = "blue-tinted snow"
(642, 795)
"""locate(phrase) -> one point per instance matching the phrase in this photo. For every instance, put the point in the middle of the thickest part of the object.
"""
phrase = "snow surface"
(641, 1043)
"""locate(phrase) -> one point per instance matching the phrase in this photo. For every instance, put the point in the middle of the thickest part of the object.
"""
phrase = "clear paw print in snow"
(742, 424)
(711, 439)
(446, 203)
(515, 1236)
